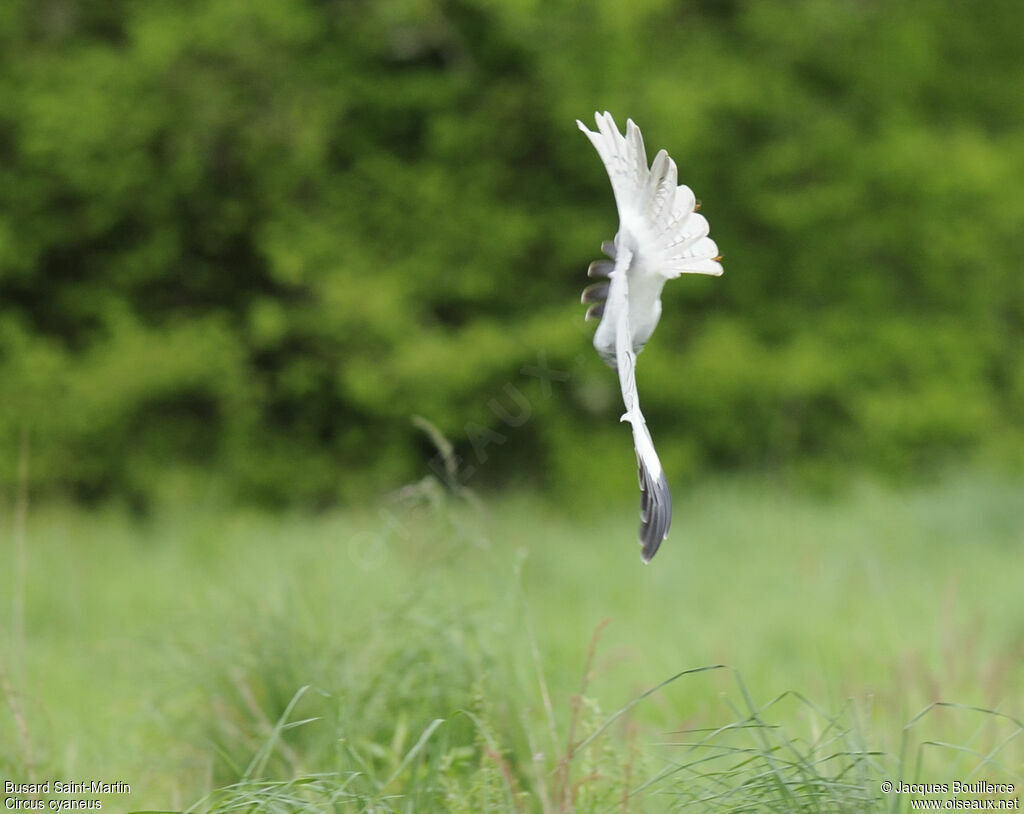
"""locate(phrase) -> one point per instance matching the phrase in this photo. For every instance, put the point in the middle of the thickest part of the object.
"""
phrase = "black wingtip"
(655, 513)
(598, 292)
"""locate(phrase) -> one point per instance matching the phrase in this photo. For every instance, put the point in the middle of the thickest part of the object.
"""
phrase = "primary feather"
(660, 236)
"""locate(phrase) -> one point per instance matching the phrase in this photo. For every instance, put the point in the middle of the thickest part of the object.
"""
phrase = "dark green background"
(246, 241)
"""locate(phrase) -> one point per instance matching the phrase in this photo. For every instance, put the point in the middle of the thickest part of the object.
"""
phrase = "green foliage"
(252, 239)
(422, 658)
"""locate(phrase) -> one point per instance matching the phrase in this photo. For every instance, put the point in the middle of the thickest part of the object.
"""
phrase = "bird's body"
(660, 236)
(644, 304)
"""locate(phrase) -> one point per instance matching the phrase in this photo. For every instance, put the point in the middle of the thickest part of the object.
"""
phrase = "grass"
(433, 654)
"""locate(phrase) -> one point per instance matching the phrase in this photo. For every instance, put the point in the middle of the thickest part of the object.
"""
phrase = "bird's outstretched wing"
(670, 235)
(655, 498)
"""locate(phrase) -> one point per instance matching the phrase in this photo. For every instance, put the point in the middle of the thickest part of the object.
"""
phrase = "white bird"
(661, 235)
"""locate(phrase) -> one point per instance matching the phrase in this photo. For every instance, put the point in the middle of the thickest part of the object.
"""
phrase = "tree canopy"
(254, 239)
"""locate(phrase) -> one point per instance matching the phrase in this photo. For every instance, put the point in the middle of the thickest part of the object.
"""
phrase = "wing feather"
(671, 237)
(655, 498)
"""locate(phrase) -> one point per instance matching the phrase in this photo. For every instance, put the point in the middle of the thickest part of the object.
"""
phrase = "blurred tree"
(253, 239)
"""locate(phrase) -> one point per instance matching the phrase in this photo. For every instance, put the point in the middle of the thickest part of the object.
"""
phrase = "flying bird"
(661, 235)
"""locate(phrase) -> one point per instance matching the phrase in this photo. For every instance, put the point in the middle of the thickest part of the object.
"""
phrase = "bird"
(661, 235)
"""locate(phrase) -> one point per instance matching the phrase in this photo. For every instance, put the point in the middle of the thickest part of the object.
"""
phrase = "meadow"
(442, 652)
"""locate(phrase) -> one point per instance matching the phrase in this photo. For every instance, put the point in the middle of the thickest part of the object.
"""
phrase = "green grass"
(429, 653)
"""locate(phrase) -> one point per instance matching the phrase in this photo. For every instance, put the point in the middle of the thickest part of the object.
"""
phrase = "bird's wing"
(671, 236)
(655, 499)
